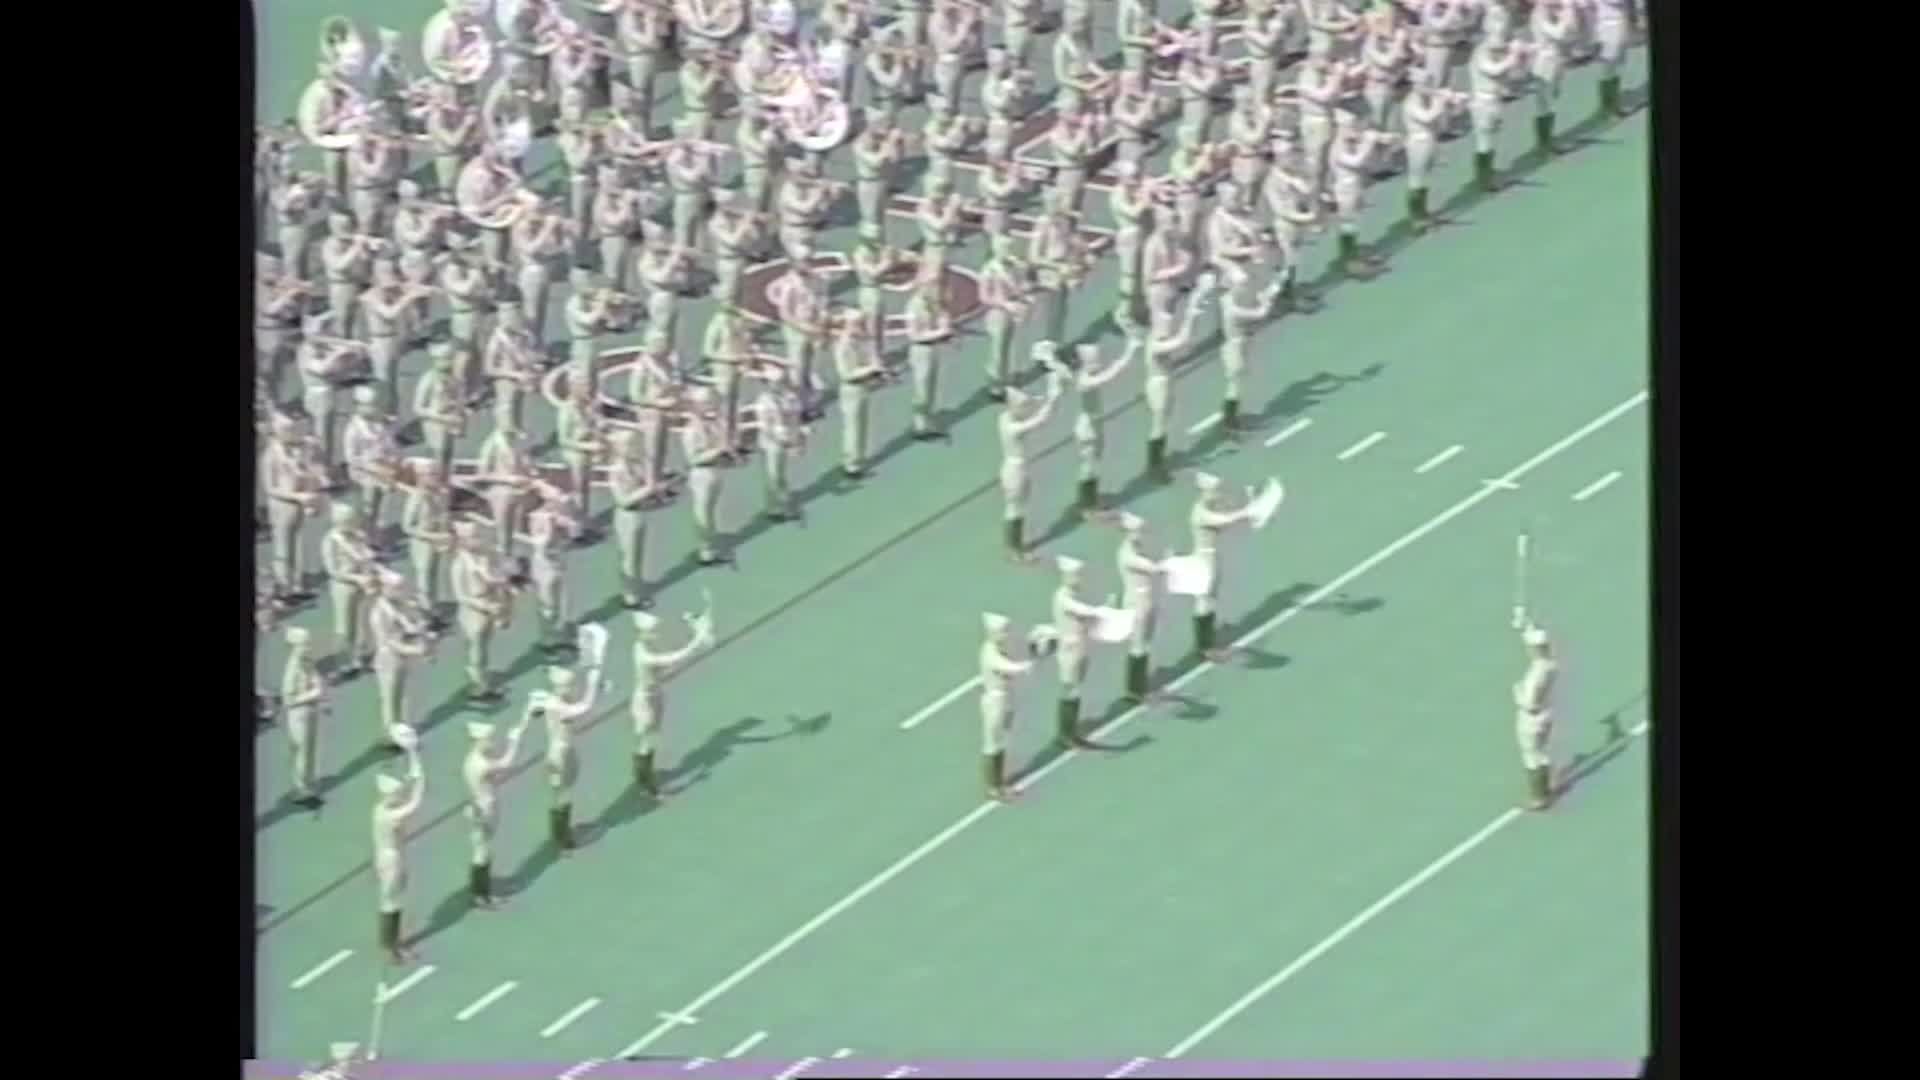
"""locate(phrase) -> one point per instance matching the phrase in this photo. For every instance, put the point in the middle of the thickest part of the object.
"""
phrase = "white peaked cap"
(1534, 636)
(1206, 481)
(560, 677)
(645, 621)
(298, 636)
(387, 783)
(1068, 564)
(479, 730)
(994, 623)
(365, 395)
(1132, 522)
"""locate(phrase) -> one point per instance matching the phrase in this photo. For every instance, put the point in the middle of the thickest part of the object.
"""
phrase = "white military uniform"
(1533, 704)
(473, 584)
(397, 645)
(483, 771)
(632, 487)
(651, 670)
(1073, 621)
(549, 531)
(1141, 575)
(997, 674)
(1206, 524)
(563, 761)
(399, 801)
(1088, 436)
(702, 443)
(303, 701)
(1015, 484)
(349, 567)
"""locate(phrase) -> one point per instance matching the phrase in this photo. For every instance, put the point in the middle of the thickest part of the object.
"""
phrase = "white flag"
(1188, 575)
(1115, 625)
(1260, 510)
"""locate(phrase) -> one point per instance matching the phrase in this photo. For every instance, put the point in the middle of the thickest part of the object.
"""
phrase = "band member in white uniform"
(1073, 621)
(998, 670)
(350, 569)
(1163, 344)
(651, 671)
(799, 297)
(512, 365)
(440, 405)
(1141, 574)
(344, 255)
(1208, 519)
(1425, 116)
(480, 589)
(929, 325)
(324, 362)
(1241, 313)
(399, 632)
(506, 474)
(1351, 161)
(1388, 55)
(292, 483)
(778, 416)
(565, 715)
(1004, 283)
(303, 701)
(278, 304)
(1613, 25)
(856, 363)
(398, 801)
(1497, 59)
(427, 523)
(1088, 435)
(633, 488)
(1554, 24)
(1018, 421)
(582, 443)
(706, 452)
(484, 770)
(372, 459)
(550, 530)
(1533, 704)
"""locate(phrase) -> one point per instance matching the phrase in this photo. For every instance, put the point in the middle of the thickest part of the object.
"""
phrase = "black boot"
(1540, 787)
(1417, 210)
(643, 773)
(1069, 720)
(997, 776)
(1483, 174)
(1610, 96)
(560, 820)
(1350, 253)
(1016, 545)
(390, 934)
(1203, 633)
(480, 880)
(1543, 134)
(1089, 500)
(1136, 677)
(1230, 415)
(990, 772)
(1157, 461)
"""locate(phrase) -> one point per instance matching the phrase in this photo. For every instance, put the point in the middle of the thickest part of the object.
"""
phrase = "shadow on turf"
(1584, 764)
(631, 805)
(1193, 709)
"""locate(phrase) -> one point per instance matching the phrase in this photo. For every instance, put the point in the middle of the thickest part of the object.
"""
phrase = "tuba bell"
(456, 49)
(343, 52)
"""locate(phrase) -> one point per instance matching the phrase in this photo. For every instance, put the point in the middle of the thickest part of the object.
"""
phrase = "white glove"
(1519, 617)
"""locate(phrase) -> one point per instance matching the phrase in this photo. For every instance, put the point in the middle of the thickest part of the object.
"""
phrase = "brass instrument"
(455, 49)
(693, 15)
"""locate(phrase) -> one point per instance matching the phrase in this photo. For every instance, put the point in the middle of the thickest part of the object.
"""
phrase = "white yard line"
(1204, 424)
(797, 1068)
(696, 1063)
(492, 996)
(325, 966)
(1362, 446)
(1440, 458)
(566, 1021)
(1290, 431)
(946, 835)
(746, 1044)
(1596, 487)
(1372, 911)
(843, 1052)
(904, 1070)
(1129, 1068)
(407, 983)
(946, 699)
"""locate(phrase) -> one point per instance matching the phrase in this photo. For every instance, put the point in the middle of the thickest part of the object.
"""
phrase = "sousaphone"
(456, 49)
(491, 195)
(695, 15)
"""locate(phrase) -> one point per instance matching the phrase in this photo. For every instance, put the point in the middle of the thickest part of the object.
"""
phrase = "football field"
(1311, 852)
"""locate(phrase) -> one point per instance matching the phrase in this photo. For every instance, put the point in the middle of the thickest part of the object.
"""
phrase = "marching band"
(363, 257)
